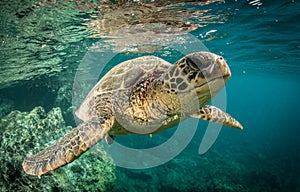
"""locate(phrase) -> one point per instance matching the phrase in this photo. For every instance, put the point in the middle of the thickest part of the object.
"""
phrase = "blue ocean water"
(260, 41)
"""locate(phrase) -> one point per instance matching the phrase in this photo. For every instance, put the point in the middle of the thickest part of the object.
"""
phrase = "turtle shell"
(124, 76)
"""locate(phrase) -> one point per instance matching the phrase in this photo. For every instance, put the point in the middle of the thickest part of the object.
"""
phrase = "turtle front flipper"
(67, 148)
(214, 114)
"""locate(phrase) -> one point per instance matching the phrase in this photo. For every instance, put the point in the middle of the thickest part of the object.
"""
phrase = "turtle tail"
(66, 149)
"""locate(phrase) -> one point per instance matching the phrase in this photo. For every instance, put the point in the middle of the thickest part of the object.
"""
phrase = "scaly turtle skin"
(141, 96)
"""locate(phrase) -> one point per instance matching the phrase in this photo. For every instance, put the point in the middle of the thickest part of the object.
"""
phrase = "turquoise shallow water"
(42, 47)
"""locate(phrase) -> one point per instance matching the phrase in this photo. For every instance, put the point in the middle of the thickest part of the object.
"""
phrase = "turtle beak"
(224, 68)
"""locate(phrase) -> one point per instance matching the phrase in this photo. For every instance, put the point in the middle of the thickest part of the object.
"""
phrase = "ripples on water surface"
(43, 42)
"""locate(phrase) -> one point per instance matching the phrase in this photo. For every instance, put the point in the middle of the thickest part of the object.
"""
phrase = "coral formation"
(29, 132)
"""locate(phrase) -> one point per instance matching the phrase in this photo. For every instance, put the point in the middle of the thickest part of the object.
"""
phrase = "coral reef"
(181, 174)
(26, 133)
(222, 169)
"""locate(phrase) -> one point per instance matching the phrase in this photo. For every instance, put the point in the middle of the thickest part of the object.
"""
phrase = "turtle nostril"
(228, 75)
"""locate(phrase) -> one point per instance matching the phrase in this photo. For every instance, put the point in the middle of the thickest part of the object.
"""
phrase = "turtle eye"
(221, 58)
(192, 64)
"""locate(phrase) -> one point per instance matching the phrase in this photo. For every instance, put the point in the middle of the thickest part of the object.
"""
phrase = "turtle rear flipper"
(67, 148)
(214, 114)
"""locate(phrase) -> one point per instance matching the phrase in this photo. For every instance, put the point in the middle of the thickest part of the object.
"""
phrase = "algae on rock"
(26, 133)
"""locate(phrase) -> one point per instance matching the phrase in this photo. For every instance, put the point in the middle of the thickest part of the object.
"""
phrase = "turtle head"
(204, 72)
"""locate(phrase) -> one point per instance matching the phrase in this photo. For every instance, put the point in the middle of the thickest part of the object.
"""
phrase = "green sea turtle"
(145, 95)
